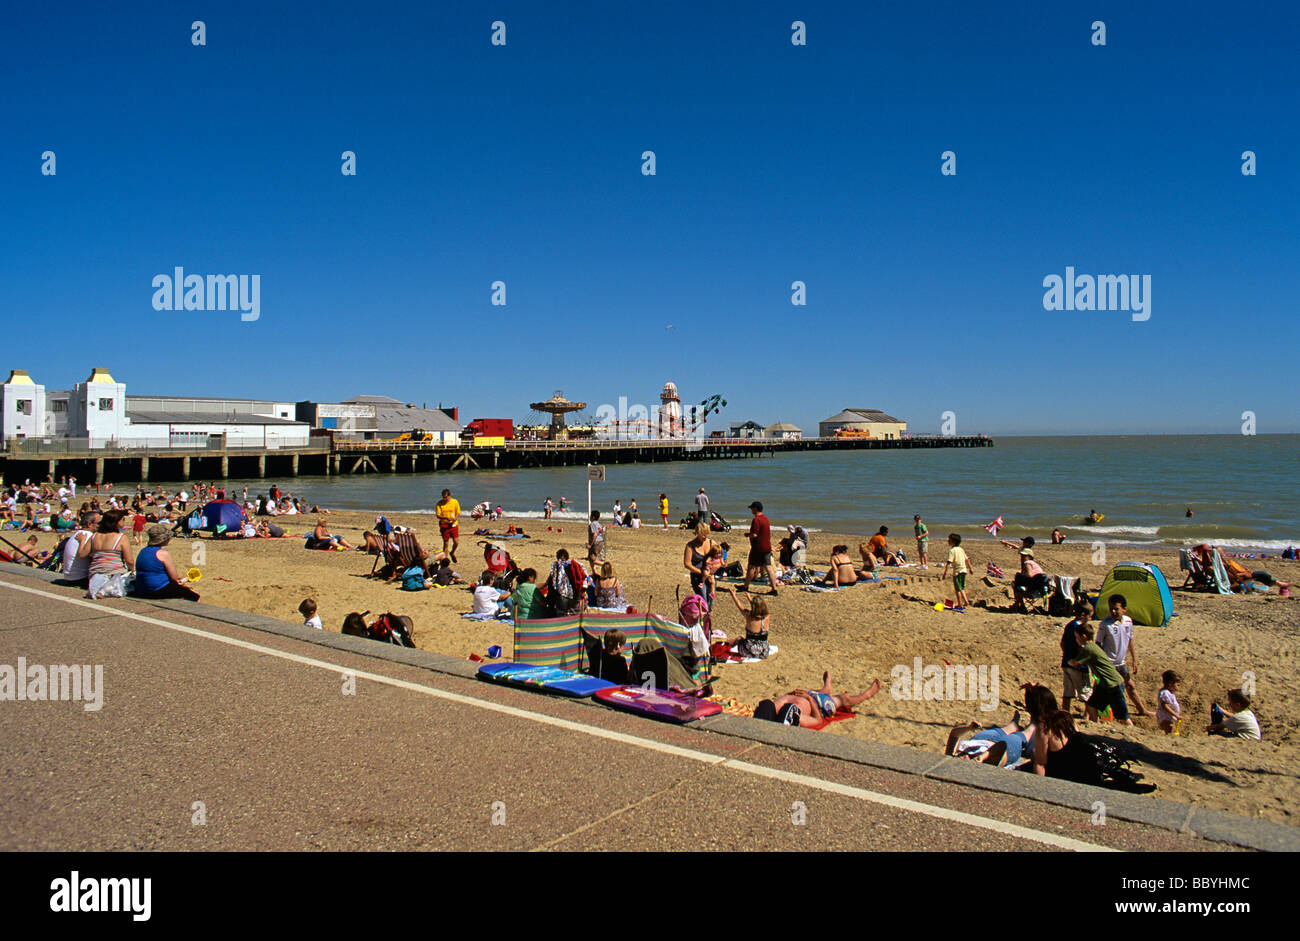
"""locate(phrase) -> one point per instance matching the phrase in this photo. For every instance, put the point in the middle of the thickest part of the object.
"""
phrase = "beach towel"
(840, 715)
(734, 657)
(994, 526)
(470, 616)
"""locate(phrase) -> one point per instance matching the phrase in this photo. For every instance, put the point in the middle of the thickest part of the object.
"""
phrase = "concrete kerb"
(1213, 825)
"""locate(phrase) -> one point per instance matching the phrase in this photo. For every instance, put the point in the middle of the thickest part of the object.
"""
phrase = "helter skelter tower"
(671, 424)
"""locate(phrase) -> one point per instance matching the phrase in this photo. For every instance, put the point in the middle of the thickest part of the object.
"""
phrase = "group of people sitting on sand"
(97, 556)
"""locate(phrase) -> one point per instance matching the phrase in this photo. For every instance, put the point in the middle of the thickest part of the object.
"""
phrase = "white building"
(100, 412)
(785, 432)
(22, 407)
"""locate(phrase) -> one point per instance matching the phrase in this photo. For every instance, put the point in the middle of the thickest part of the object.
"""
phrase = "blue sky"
(775, 163)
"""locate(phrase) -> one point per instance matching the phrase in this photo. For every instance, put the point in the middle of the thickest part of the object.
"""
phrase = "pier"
(40, 458)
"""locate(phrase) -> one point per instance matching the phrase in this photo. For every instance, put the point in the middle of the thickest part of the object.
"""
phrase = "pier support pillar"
(337, 461)
(261, 465)
(99, 470)
(144, 469)
(185, 468)
(225, 467)
(293, 465)
(51, 469)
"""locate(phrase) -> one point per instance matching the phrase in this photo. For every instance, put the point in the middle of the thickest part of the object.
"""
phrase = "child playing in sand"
(444, 575)
(960, 568)
(811, 707)
(1168, 712)
(308, 610)
(1115, 636)
(754, 642)
(1109, 690)
(1237, 721)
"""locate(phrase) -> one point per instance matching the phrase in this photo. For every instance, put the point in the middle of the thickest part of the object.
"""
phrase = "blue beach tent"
(222, 515)
(1145, 589)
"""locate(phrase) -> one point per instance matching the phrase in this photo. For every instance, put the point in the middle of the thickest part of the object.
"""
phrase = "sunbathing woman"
(754, 642)
(321, 538)
(811, 707)
(841, 571)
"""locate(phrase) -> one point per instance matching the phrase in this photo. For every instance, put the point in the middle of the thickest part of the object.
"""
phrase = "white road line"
(788, 777)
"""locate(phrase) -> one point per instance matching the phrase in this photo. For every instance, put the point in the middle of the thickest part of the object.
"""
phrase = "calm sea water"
(1241, 489)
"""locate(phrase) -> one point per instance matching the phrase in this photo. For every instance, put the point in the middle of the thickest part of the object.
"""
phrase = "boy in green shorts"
(922, 542)
(1109, 690)
(960, 567)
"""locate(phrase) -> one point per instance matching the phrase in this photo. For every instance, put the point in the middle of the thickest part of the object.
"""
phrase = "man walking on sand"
(448, 510)
(702, 508)
(760, 549)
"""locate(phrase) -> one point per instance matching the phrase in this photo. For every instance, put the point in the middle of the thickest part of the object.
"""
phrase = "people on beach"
(663, 508)
(702, 508)
(524, 601)
(1031, 580)
(760, 549)
(76, 566)
(695, 556)
(444, 575)
(1115, 636)
(1075, 678)
(754, 642)
(109, 555)
(1057, 538)
(1237, 721)
(322, 538)
(1168, 712)
(448, 513)
(1108, 690)
(922, 533)
(812, 707)
(547, 508)
(308, 611)
(595, 540)
(869, 562)
(960, 569)
(609, 590)
(880, 549)
(840, 571)
(155, 572)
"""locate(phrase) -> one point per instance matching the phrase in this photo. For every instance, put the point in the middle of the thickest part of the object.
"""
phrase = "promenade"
(221, 730)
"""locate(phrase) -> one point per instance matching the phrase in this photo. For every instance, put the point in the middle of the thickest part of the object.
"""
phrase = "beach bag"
(113, 585)
(393, 629)
(413, 579)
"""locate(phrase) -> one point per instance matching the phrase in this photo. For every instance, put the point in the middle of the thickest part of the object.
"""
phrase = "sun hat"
(158, 534)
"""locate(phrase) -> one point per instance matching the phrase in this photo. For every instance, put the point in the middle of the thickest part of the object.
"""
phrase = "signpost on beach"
(594, 472)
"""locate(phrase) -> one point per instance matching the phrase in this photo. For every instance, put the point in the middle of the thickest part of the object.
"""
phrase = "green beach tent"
(1145, 589)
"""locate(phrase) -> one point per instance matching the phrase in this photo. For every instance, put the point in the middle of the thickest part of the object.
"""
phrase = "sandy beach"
(859, 634)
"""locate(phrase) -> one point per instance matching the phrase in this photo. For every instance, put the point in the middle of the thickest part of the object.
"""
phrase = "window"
(105, 405)
(24, 406)
(60, 405)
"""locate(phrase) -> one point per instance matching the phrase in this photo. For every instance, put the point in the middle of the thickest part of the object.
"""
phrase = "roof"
(19, 377)
(372, 400)
(402, 419)
(149, 417)
(863, 415)
(744, 424)
(783, 426)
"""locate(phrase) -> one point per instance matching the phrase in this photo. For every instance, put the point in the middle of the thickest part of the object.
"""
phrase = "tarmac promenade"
(226, 731)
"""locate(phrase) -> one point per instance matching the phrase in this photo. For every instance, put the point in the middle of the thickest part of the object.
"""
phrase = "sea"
(1241, 489)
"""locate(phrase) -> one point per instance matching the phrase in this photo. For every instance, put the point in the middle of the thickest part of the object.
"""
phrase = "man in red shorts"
(760, 549)
(448, 510)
